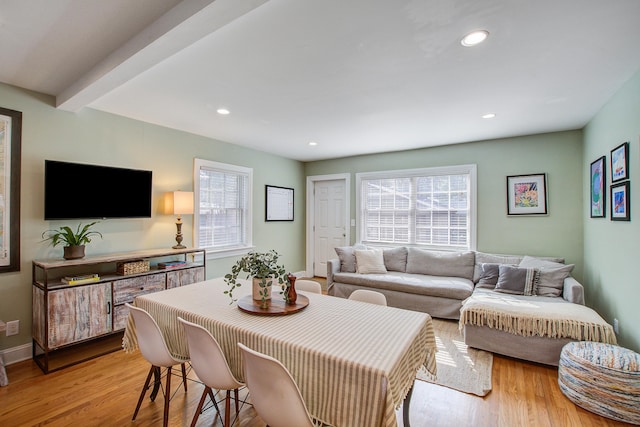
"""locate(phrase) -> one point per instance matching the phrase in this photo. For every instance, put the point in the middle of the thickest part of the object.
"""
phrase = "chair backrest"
(207, 358)
(309, 286)
(275, 394)
(150, 339)
(366, 295)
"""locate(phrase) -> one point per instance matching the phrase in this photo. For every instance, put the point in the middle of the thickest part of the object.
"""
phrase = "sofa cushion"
(551, 277)
(436, 263)
(484, 258)
(395, 259)
(436, 286)
(370, 261)
(516, 280)
(489, 275)
(347, 258)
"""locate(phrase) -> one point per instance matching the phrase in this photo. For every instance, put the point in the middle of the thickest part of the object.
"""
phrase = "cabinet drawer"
(120, 317)
(126, 290)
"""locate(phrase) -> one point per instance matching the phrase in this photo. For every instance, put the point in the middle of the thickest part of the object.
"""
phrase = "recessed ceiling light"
(474, 38)
(489, 116)
(223, 111)
(313, 143)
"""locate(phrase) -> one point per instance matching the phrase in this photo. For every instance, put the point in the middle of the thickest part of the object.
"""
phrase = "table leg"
(405, 408)
(156, 383)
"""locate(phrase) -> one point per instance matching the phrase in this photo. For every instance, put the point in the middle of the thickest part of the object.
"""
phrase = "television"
(85, 191)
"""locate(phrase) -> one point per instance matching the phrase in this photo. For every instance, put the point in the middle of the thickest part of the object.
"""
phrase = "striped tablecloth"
(354, 362)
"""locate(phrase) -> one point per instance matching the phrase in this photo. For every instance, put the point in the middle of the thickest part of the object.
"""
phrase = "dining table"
(354, 362)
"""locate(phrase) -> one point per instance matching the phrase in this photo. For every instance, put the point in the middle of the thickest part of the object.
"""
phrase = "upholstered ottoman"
(602, 378)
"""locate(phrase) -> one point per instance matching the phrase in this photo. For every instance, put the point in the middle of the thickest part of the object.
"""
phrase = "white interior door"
(330, 222)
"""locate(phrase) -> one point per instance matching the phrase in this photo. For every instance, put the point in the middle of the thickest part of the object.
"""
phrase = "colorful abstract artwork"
(620, 205)
(527, 194)
(598, 188)
(620, 162)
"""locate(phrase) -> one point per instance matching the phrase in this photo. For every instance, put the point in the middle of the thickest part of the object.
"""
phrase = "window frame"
(470, 169)
(217, 252)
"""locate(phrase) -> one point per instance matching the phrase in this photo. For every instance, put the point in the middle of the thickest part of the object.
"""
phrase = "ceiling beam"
(185, 24)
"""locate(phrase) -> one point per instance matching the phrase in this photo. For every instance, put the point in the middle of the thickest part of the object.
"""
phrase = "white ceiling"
(356, 76)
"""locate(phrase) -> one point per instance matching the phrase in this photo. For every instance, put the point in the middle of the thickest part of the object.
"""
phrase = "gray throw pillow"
(395, 259)
(482, 258)
(489, 275)
(347, 257)
(551, 276)
(516, 280)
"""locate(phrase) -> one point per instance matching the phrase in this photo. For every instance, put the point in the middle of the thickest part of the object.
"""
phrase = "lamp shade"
(178, 202)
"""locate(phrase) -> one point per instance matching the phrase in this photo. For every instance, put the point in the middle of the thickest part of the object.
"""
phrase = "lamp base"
(179, 247)
(179, 244)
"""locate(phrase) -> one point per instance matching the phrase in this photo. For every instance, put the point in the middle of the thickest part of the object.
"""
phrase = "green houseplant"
(263, 268)
(74, 241)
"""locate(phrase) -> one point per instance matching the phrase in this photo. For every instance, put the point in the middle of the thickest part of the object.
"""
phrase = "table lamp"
(179, 203)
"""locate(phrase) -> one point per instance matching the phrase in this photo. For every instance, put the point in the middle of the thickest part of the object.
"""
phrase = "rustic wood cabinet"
(66, 315)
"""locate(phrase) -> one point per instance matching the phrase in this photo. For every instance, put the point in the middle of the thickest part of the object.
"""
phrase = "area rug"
(459, 367)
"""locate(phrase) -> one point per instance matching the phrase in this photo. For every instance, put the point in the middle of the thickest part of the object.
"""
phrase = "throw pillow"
(482, 257)
(395, 259)
(489, 275)
(436, 263)
(347, 258)
(516, 280)
(551, 277)
(370, 261)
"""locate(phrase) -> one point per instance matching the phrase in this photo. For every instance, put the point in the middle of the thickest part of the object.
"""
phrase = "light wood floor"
(104, 391)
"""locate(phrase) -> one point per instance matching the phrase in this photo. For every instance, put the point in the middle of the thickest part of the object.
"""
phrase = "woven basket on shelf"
(132, 267)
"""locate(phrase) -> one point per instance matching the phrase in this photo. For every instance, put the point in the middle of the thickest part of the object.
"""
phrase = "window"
(223, 197)
(432, 207)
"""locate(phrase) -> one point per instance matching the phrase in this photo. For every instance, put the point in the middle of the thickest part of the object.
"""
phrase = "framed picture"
(620, 162)
(279, 201)
(620, 205)
(527, 194)
(10, 143)
(598, 188)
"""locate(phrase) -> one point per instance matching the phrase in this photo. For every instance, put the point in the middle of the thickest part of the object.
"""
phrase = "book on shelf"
(171, 264)
(79, 281)
(81, 277)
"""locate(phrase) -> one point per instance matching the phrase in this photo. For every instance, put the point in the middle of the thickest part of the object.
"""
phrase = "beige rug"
(459, 367)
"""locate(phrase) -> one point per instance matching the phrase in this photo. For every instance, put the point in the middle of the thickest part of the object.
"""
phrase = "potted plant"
(263, 268)
(74, 240)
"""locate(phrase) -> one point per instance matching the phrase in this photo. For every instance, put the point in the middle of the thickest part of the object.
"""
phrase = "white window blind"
(432, 207)
(223, 198)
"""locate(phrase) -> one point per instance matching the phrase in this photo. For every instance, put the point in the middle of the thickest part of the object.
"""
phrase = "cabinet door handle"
(142, 288)
(109, 307)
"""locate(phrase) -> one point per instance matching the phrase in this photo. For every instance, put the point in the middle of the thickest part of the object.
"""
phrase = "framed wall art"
(598, 174)
(527, 194)
(620, 162)
(279, 201)
(10, 146)
(620, 204)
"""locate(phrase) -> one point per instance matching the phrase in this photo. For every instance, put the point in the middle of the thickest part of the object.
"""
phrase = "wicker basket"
(132, 267)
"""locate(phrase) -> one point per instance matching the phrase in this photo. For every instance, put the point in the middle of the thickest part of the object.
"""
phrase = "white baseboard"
(16, 354)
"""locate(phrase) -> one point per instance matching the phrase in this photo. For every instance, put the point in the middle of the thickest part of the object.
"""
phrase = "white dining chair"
(210, 365)
(366, 295)
(274, 393)
(155, 351)
(308, 285)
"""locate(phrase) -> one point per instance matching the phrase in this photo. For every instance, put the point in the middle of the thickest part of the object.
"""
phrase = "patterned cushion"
(601, 378)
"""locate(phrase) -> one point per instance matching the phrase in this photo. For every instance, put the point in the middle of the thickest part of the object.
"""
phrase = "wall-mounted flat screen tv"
(84, 191)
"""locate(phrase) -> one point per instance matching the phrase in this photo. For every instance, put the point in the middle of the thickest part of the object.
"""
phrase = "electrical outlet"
(13, 328)
(616, 326)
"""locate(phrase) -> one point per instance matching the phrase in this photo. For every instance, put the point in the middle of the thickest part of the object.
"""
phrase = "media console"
(76, 322)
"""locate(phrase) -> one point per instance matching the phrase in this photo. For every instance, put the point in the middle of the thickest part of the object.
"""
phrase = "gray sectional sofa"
(518, 306)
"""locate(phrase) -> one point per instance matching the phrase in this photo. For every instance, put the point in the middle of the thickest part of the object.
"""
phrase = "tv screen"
(83, 191)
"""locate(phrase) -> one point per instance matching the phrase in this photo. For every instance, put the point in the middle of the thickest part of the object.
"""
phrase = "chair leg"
(167, 395)
(184, 377)
(227, 408)
(200, 405)
(143, 392)
(235, 395)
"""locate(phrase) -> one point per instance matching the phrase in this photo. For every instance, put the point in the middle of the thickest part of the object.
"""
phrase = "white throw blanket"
(535, 316)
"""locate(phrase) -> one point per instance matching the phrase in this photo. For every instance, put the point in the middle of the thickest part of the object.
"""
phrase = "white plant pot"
(256, 291)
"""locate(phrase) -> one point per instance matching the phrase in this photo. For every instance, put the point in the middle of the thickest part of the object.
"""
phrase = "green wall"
(559, 155)
(91, 136)
(612, 248)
